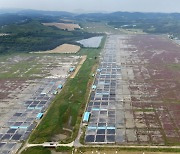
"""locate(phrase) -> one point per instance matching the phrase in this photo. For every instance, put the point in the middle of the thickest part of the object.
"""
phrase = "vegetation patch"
(36, 150)
(175, 67)
(64, 149)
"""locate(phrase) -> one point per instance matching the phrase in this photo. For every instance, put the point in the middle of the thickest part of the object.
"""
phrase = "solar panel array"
(19, 126)
(105, 105)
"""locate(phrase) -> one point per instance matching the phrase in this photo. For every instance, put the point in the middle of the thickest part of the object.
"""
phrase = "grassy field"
(67, 109)
(41, 150)
(175, 67)
(132, 31)
(22, 65)
(36, 150)
(100, 27)
(127, 152)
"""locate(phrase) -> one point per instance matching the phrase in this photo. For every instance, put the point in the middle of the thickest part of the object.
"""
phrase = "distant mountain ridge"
(35, 12)
(8, 16)
(116, 15)
(47, 13)
(127, 15)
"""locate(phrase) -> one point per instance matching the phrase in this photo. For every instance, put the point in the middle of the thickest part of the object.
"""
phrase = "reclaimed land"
(68, 107)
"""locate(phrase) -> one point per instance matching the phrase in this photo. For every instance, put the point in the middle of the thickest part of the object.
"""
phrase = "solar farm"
(24, 101)
(135, 95)
(134, 98)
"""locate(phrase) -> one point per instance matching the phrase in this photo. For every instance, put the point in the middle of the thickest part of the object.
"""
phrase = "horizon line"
(83, 11)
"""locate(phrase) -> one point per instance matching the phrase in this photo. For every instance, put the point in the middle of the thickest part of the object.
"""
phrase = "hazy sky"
(95, 5)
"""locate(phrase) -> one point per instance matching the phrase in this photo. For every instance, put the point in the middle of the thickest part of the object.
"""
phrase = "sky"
(95, 5)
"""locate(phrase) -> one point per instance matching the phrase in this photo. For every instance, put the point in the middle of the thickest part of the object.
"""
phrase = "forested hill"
(6, 19)
(27, 33)
(158, 23)
(20, 33)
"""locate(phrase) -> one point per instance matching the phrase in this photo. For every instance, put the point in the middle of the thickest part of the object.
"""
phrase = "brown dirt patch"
(68, 26)
(59, 137)
(65, 48)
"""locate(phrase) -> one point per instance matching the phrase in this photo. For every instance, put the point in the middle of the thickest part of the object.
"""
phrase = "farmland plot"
(68, 26)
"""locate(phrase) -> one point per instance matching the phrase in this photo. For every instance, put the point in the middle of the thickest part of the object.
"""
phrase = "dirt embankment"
(65, 48)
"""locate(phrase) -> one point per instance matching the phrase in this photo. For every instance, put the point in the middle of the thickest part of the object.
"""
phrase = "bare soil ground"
(157, 75)
(59, 137)
(65, 48)
(68, 26)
